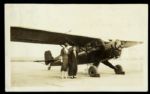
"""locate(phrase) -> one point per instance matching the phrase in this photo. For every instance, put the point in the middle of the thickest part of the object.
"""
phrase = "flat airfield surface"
(33, 76)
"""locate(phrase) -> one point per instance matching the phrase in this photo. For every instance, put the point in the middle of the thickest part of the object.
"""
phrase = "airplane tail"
(48, 57)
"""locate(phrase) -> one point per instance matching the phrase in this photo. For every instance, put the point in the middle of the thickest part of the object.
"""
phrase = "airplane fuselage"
(98, 54)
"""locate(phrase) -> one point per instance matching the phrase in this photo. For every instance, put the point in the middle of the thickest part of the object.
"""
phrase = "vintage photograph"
(76, 47)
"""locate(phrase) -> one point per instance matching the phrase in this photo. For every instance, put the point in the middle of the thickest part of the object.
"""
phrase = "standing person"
(73, 61)
(64, 60)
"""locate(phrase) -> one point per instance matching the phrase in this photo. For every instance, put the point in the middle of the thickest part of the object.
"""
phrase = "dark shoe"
(49, 68)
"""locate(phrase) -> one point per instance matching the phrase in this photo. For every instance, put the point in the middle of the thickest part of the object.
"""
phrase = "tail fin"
(48, 57)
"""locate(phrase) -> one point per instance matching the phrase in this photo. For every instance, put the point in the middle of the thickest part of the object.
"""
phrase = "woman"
(73, 61)
(64, 60)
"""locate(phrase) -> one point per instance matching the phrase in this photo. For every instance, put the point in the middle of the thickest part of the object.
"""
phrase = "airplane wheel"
(93, 72)
(119, 70)
(119, 67)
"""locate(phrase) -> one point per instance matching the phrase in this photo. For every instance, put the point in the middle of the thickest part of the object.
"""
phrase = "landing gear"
(119, 69)
(93, 71)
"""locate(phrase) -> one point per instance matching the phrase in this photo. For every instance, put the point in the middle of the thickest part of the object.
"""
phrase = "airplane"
(90, 50)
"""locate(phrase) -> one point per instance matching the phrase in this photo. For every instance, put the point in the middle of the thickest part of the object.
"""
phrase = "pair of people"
(69, 61)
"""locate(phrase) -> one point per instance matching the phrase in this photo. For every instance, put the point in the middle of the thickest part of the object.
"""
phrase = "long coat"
(73, 62)
(64, 55)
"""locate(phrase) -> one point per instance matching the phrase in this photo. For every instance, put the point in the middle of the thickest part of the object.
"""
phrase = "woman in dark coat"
(73, 61)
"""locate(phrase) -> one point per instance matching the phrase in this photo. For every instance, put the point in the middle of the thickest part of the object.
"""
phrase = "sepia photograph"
(76, 47)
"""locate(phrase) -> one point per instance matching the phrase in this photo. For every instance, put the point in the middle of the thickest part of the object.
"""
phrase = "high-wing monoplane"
(90, 50)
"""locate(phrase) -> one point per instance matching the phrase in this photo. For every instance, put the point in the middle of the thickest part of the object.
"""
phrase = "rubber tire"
(93, 72)
(120, 69)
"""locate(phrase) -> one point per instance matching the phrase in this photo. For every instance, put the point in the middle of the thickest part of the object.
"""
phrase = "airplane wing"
(21, 34)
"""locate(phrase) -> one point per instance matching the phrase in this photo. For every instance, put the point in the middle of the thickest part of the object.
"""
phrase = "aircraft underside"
(97, 58)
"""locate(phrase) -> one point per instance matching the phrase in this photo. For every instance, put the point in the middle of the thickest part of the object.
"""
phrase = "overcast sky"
(105, 21)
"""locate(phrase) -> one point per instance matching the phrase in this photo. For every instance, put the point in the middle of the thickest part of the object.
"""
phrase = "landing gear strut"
(118, 69)
(93, 71)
